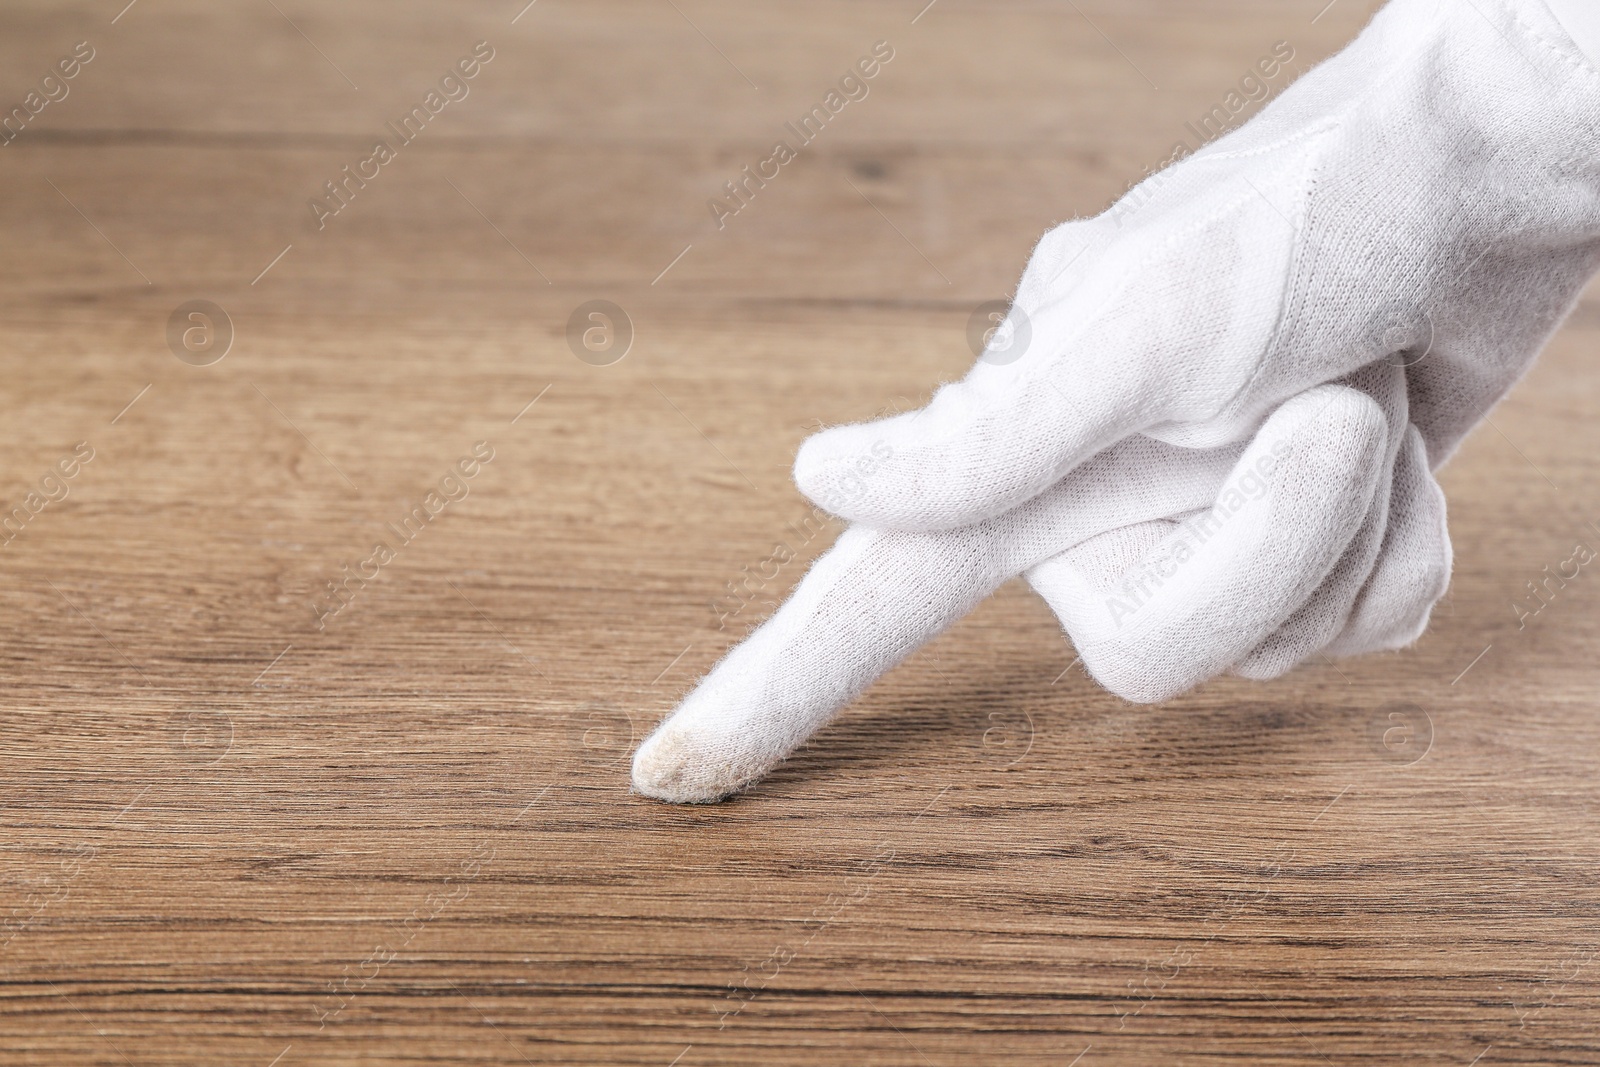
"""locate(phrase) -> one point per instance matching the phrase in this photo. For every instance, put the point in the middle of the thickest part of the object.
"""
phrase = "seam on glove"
(1568, 55)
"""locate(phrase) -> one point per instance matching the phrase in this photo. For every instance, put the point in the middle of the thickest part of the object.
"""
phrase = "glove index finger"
(868, 603)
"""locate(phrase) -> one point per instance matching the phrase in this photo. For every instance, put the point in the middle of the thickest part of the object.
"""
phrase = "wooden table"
(241, 828)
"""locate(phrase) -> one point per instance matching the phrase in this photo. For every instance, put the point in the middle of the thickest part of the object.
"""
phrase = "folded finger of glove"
(1206, 592)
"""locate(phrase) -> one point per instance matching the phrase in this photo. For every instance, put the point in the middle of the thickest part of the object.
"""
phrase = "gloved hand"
(1433, 189)
(1421, 217)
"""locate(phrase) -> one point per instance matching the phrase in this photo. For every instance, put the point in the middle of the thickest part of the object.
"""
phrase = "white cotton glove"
(1432, 211)
(1432, 190)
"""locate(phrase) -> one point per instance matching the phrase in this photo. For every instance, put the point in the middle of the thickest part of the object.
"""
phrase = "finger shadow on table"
(1006, 728)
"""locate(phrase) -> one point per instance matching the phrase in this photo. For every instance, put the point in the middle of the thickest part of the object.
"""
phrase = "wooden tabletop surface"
(247, 824)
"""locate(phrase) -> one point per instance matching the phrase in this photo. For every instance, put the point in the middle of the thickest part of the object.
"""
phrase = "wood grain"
(232, 835)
